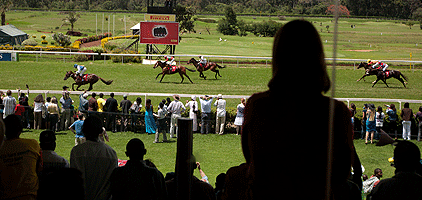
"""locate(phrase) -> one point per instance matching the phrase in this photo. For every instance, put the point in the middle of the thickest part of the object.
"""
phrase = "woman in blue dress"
(370, 123)
(149, 118)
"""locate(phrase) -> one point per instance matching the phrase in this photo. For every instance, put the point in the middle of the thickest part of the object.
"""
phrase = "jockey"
(167, 60)
(202, 61)
(377, 63)
(81, 69)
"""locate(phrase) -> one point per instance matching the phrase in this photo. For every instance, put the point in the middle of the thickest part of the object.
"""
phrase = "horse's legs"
(73, 84)
(158, 75)
(383, 80)
(161, 77)
(188, 78)
(181, 76)
(201, 75)
(218, 71)
(90, 87)
(363, 77)
(402, 81)
(375, 82)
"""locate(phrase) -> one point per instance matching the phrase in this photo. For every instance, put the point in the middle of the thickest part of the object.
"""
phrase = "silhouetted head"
(298, 60)
(13, 127)
(135, 149)
(406, 156)
(93, 126)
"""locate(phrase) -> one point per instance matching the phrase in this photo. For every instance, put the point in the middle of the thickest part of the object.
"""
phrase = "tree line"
(404, 9)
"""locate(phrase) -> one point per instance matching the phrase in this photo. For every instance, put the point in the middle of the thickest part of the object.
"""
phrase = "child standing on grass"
(76, 128)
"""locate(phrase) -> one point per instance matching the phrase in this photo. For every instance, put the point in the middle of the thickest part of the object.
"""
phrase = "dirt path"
(91, 44)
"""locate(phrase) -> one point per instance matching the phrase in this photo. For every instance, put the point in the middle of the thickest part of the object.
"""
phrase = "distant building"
(9, 34)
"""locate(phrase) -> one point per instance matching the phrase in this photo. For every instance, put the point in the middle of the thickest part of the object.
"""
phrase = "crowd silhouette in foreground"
(311, 168)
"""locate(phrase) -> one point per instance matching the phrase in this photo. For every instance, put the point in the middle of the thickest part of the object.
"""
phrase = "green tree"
(4, 6)
(228, 25)
(71, 19)
(184, 17)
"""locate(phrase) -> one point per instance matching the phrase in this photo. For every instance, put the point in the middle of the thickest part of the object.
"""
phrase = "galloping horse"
(210, 66)
(87, 78)
(381, 75)
(368, 70)
(167, 69)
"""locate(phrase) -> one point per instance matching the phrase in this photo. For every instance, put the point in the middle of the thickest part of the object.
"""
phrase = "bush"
(73, 33)
(80, 58)
(126, 59)
(30, 42)
(61, 39)
(267, 28)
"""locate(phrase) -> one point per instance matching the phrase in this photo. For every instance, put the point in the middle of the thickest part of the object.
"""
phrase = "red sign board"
(159, 33)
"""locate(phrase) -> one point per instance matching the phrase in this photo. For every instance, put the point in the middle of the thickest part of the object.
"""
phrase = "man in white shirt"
(96, 160)
(221, 114)
(176, 108)
(206, 113)
(9, 104)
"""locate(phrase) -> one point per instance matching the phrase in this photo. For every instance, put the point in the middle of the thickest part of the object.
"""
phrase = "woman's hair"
(298, 54)
(406, 105)
(39, 98)
(393, 107)
(147, 103)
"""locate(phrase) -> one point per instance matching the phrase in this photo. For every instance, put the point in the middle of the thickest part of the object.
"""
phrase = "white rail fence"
(145, 95)
(179, 56)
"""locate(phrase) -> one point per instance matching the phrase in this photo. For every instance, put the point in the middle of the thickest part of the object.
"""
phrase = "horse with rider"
(379, 69)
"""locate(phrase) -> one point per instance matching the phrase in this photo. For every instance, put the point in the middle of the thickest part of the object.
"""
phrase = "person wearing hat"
(51, 160)
(136, 180)
(81, 69)
(175, 108)
(193, 109)
(220, 118)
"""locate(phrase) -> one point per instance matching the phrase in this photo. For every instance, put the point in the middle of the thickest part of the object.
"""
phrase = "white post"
(125, 23)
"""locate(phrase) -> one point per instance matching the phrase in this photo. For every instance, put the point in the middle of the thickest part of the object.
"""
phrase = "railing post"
(184, 158)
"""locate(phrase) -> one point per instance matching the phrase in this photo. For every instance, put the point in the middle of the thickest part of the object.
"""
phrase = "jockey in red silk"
(377, 63)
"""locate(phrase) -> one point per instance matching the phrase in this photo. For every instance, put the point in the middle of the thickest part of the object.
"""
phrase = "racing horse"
(167, 69)
(368, 70)
(210, 66)
(86, 79)
(381, 75)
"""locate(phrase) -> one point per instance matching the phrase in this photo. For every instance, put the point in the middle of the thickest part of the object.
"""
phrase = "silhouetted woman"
(286, 152)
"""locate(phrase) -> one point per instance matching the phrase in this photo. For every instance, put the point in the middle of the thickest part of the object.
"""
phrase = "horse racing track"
(235, 80)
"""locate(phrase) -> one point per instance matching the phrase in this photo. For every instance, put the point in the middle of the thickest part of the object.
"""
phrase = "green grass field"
(218, 153)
